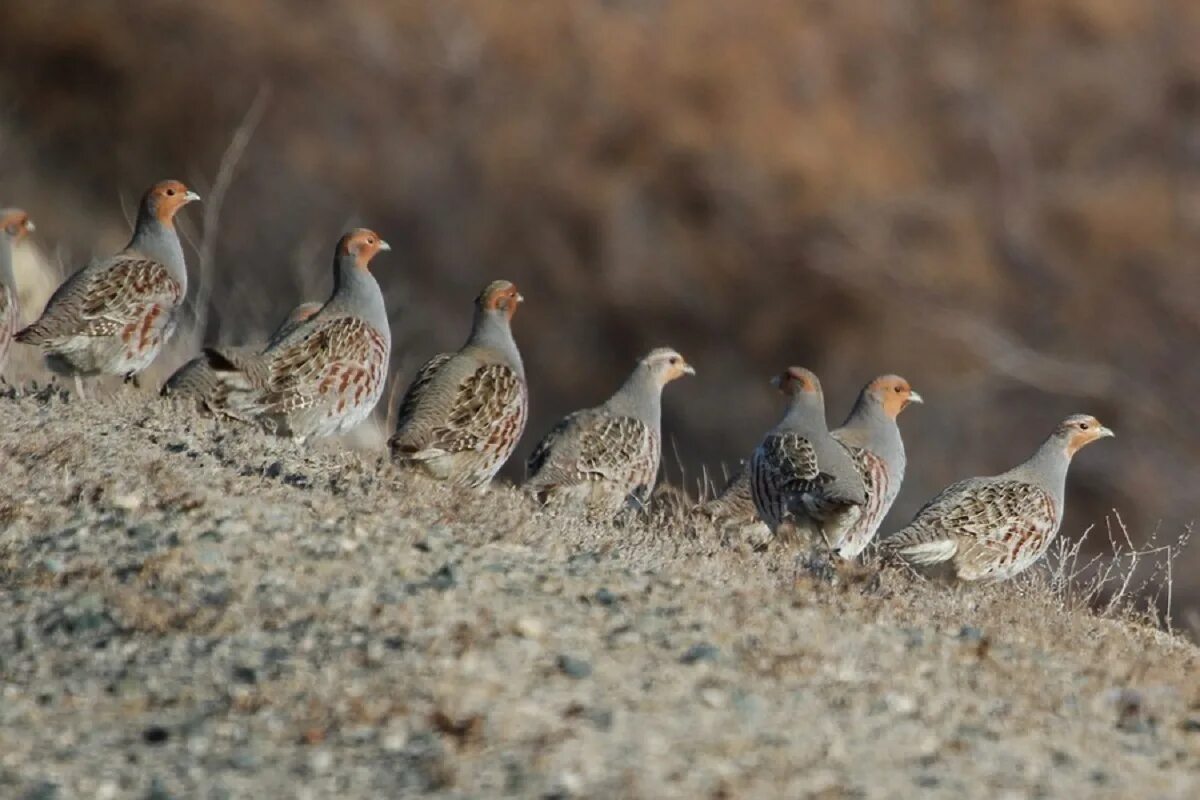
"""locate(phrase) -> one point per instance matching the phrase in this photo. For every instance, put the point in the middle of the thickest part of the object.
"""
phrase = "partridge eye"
(1083, 426)
(170, 192)
(899, 389)
(674, 361)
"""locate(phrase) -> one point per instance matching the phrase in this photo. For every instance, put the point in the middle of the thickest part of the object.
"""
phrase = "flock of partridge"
(324, 370)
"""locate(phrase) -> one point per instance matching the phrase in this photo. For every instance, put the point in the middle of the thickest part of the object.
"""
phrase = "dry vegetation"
(195, 610)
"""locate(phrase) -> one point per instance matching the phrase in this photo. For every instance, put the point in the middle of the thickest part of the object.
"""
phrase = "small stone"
(244, 674)
(127, 502)
(902, 704)
(320, 761)
(969, 633)
(713, 697)
(157, 790)
(700, 652)
(529, 628)
(45, 790)
(156, 734)
(574, 667)
(605, 597)
(445, 578)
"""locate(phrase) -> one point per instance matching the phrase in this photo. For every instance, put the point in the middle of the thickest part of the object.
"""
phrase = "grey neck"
(357, 293)
(639, 397)
(6, 265)
(874, 429)
(491, 330)
(805, 411)
(1046, 468)
(159, 241)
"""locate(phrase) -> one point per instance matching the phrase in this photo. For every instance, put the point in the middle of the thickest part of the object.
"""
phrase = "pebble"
(700, 652)
(529, 628)
(574, 667)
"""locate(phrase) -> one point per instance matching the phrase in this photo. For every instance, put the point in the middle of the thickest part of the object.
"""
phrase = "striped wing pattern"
(877, 483)
(9, 319)
(782, 470)
(999, 528)
(327, 380)
(112, 320)
(617, 455)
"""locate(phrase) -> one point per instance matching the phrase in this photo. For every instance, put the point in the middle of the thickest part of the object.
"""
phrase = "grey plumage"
(113, 316)
(595, 460)
(14, 224)
(199, 382)
(801, 478)
(325, 374)
(993, 528)
(871, 436)
(461, 417)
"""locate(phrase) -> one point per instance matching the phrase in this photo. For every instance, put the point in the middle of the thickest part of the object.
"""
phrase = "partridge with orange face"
(113, 316)
(803, 481)
(325, 374)
(198, 381)
(871, 436)
(598, 459)
(464, 412)
(996, 527)
(14, 226)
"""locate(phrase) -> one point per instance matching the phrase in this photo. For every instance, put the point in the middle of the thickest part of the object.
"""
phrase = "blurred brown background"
(1000, 201)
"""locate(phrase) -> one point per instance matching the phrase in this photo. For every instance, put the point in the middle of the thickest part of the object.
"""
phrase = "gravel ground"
(192, 610)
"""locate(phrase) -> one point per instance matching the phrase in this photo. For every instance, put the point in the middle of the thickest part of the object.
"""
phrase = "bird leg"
(79, 389)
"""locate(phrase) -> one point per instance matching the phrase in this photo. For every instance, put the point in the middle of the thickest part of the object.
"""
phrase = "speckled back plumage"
(323, 375)
(993, 528)
(113, 316)
(463, 414)
(800, 476)
(597, 459)
(199, 382)
(14, 224)
(872, 437)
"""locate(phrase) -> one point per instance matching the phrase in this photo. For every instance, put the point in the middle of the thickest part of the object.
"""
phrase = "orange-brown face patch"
(894, 394)
(797, 380)
(15, 223)
(166, 198)
(502, 296)
(362, 243)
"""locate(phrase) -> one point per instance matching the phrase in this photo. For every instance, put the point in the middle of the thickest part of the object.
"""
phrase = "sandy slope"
(194, 611)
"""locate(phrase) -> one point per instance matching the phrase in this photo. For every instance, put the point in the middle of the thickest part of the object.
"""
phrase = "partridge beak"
(1105, 433)
(191, 197)
(384, 245)
(913, 397)
(688, 369)
(520, 298)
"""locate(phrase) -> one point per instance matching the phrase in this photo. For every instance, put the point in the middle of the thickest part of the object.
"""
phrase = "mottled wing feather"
(336, 364)
(783, 467)
(876, 482)
(123, 298)
(593, 446)
(488, 413)
(733, 503)
(411, 401)
(8, 322)
(1001, 526)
